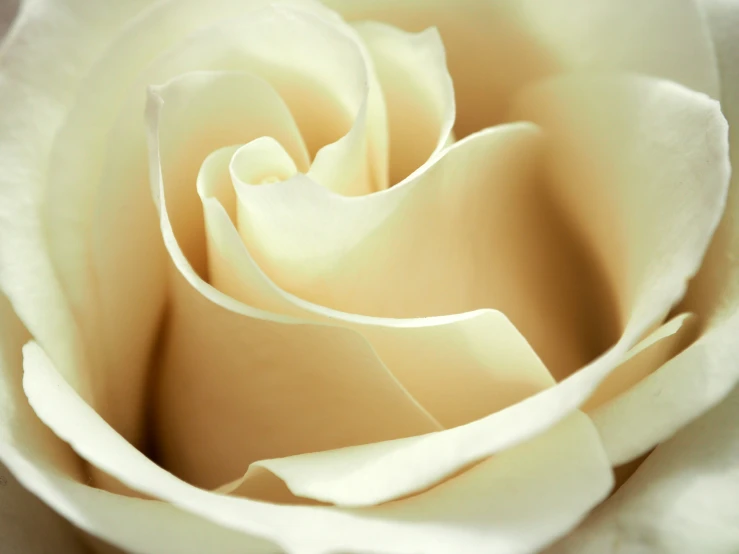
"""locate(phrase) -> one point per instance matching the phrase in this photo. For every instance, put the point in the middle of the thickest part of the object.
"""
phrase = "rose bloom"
(388, 276)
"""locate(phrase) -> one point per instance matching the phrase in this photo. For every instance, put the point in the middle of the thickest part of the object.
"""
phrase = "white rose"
(285, 276)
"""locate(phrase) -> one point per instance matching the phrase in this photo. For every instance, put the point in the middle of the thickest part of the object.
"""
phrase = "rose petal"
(672, 209)
(641, 166)
(678, 391)
(36, 92)
(51, 470)
(262, 161)
(495, 48)
(418, 91)
(507, 502)
(660, 346)
(102, 227)
(680, 246)
(460, 368)
(476, 230)
(204, 109)
(681, 500)
(333, 391)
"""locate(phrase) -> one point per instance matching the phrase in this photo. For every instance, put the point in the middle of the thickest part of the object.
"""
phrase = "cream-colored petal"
(344, 166)
(642, 168)
(418, 91)
(269, 389)
(714, 293)
(460, 368)
(670, 397)
(26, 525)
(79, 154)
(263, 161)
(49, 469)
(209, 110)
(658, 155)
(103, 229)
(496, 47)
(681, 500)
(516, 502)
(35, 92)
(660, 346)
(333, 391)
(321, 475)
(476, 230)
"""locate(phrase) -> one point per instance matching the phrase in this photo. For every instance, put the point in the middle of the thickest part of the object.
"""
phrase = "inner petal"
(224, 363)
(459, 368)
(263, 161)
(418, 92)
(476, 230)
(212, 102)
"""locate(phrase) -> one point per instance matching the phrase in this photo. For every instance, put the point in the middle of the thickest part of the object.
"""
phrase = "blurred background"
(7, 11)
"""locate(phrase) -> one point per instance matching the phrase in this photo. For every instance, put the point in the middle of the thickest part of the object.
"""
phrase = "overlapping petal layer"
(497, 47)
(574, 475)
(106, 278)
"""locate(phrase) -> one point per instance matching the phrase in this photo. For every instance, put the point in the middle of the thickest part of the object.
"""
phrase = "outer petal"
(495, 47)
(514, 503)
(36, 92)
(681, 500)
(51, 471)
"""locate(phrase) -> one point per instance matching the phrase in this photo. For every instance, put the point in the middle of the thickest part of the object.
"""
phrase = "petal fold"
(496, 48)
(333, 389)
(503, 502)
(418, 90)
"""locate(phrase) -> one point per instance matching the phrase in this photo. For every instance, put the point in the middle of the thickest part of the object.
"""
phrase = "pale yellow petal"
(333, 391)
(496, 47)
(418, 91)
(681, 500)
(263, 161)
(36, 91)
(27, 525)
(517, 502)
(476, 230)
(671, 396)
(641, 166)
(459, 368)
(103, 228)
(206, 111)
(660, 346)
(49, 469)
